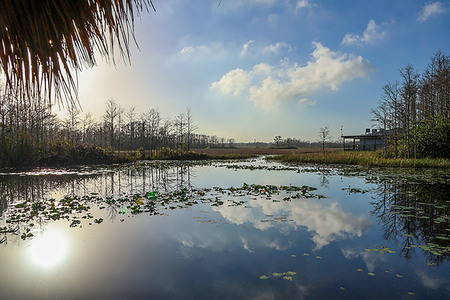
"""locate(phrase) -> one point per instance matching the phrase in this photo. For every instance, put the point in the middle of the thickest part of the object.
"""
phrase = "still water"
(224, 230)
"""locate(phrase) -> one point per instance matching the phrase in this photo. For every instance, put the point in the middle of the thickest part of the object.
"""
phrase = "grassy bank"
(165, 153)
(363, 158)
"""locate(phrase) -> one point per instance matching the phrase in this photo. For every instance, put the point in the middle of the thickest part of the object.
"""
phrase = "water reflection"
(413, 215)
(326, 222)
(48, 248)
(190, 241)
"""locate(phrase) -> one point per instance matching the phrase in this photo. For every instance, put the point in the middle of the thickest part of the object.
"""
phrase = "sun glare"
(48, 249)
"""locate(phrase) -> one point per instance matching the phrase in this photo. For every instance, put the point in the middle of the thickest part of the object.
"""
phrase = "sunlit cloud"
(430, 10)
(234, 82)
(372, 33)
(266, 86)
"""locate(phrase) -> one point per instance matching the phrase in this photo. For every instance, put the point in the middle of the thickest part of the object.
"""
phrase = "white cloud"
(202, 52)
(303, 4)
(234, 82)
(277, 48)
(430, 10)
(187, 50)
(306, 101)
(370, 35)
(267, 85)
(191, 50)
(245, 47)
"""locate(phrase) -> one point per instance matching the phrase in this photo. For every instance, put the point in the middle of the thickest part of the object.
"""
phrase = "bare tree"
(112, 111)
(190, 127)
(72, 122)
(324, 135)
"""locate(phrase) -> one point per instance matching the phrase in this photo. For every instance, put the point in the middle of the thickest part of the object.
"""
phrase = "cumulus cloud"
(267, 85)
(430, 10)
(234, 82)
(371, 34)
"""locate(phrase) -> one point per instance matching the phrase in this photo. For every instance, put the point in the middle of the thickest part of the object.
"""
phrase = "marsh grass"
(363, 159)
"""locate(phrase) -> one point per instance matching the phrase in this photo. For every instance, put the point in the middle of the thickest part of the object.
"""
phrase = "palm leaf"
(43, 44)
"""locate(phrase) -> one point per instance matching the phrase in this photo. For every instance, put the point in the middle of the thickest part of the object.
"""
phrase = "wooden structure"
(370, 141)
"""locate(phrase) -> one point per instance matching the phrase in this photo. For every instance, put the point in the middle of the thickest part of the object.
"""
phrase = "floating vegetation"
(380, 250)
(285, 275)
(351, 190)
(76, 209)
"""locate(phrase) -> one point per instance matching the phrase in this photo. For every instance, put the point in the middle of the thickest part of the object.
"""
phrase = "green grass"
(364, 158)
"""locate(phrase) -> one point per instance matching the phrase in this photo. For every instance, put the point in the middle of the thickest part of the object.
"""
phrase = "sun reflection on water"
(49, 249)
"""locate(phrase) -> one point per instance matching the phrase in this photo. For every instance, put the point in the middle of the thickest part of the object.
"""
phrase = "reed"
(363, 159)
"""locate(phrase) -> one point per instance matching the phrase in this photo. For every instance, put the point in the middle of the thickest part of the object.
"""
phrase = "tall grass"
(364, 158)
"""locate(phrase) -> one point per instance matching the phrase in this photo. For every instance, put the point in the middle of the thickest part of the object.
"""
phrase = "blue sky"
(258, 68)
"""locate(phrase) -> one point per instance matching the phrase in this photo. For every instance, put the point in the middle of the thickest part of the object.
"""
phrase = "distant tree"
(72, 122)
(278, 139)
(191, 127)
(324, 135)
(112, 111)
(88, 123)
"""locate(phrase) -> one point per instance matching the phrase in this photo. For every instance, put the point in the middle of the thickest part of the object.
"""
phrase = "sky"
(254, 69)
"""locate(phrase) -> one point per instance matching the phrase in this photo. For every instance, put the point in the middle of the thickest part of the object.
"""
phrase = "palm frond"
(43, 44)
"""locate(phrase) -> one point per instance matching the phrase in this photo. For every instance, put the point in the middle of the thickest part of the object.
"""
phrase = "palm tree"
(44, 43)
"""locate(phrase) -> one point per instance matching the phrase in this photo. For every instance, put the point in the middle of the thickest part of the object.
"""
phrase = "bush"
(433, 138)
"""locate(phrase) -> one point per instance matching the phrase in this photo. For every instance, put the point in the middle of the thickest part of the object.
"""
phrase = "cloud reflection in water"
(326, 222)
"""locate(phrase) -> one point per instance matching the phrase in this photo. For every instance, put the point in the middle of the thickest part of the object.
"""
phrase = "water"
(235, 230)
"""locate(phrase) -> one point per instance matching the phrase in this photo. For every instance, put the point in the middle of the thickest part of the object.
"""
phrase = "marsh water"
(224, 230)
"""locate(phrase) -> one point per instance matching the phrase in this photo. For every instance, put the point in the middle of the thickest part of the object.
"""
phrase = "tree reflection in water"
(105, 184)
(415, 215)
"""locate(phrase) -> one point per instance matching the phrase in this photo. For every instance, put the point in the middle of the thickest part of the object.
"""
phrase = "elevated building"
(370, 141)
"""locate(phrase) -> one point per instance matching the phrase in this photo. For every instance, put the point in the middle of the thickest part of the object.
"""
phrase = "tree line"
(414, 112)
(30, 129)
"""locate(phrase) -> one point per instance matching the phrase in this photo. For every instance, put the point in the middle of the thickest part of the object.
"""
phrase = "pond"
(224, 230)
